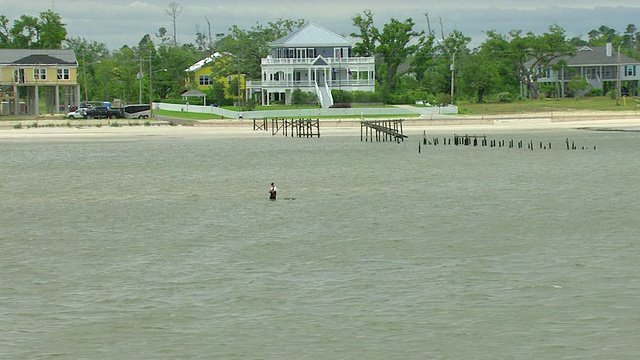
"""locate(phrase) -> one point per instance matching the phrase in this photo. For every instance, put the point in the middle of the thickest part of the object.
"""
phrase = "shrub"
(443, 99)
(360, 96)
(248, 105)
(595, 92)
(341, 106)
(504, 97)
(342, 96)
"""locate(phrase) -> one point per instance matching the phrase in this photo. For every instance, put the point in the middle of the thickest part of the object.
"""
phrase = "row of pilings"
(483, 141)
(289, 127)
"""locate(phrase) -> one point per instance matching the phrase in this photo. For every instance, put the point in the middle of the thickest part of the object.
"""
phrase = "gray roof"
(193, 92)
(37, 56)
(312, 35)
(596, 55)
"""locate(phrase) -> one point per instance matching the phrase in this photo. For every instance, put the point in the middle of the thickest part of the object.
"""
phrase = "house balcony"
(309, 61)
(348, 84)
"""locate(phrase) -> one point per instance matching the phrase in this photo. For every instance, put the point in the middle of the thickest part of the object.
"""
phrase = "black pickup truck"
(99, 112)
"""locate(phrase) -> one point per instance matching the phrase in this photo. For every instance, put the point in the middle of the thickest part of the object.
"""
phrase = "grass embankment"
(549, 105)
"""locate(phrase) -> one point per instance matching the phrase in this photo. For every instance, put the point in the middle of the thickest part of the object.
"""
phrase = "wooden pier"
(296, 127)
(382, 130)
(260, 124)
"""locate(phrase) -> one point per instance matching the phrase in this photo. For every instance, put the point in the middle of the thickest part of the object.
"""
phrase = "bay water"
(167, 247)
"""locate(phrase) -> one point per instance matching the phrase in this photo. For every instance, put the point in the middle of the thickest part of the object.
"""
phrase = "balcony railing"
(308, 61)
(336, 84)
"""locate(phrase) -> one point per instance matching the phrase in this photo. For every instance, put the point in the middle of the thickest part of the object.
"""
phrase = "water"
(167, 248)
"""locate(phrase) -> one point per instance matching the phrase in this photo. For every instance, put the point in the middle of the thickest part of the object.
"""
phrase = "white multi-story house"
(312, 59)
(601, 66)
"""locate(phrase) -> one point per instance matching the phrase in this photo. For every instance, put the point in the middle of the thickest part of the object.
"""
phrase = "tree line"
(411, 64)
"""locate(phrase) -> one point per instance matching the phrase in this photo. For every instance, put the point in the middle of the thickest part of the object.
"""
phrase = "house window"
(40, 74)
(204, 80)
(341, 52)
(63, 74)
(311, 52)
(631, 70)
(18, 76)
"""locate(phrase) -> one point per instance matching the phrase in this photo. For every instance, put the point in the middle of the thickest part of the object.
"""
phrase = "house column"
(36, 109)
(16, 101)
(57, 100)
(562, 82)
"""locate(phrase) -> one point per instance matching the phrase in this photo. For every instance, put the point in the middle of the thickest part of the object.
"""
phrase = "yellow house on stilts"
(30, 78)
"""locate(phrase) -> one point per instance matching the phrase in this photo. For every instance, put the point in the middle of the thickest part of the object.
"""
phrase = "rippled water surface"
(168, 248)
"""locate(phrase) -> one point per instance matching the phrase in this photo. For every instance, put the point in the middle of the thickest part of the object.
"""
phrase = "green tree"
(5, 33)
(528, 53)
(217, 94)
(88, 54)
(394, 48)
(368, 34)
(163, 36)
(481, 75)
(250, 46)
(51, 30)
(453, 52)
(297, 97)
(423, 60)
(25, 33)
(29, 32)
(577, 85)
(171, 83)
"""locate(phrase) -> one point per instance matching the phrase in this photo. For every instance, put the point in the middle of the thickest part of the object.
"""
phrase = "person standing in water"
(272, 191)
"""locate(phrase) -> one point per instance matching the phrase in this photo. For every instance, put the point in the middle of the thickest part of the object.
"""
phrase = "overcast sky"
(118, 22)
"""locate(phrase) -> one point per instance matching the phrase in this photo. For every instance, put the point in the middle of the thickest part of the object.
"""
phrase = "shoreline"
(47, 128)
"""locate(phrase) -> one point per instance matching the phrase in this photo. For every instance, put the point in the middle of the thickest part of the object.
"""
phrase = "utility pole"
(84, 76)
(140, 79)
(150, 87)
(618, 78)
(453, 75)
(426, 14)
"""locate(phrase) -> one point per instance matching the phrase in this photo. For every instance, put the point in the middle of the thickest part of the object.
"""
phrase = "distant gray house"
(600, 65)
(312, 59)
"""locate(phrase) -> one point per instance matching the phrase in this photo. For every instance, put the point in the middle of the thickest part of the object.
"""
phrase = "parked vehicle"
(100, 112)
(139, 111)
(78, 114)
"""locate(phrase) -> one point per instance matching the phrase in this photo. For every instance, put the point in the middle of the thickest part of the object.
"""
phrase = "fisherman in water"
(272, 191)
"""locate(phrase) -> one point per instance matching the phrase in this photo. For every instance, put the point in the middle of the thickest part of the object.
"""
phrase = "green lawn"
(186, 115)
(203, 116)
(470, 108)
(294, 107)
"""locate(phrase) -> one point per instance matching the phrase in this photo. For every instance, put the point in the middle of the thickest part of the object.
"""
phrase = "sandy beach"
(63, 129)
